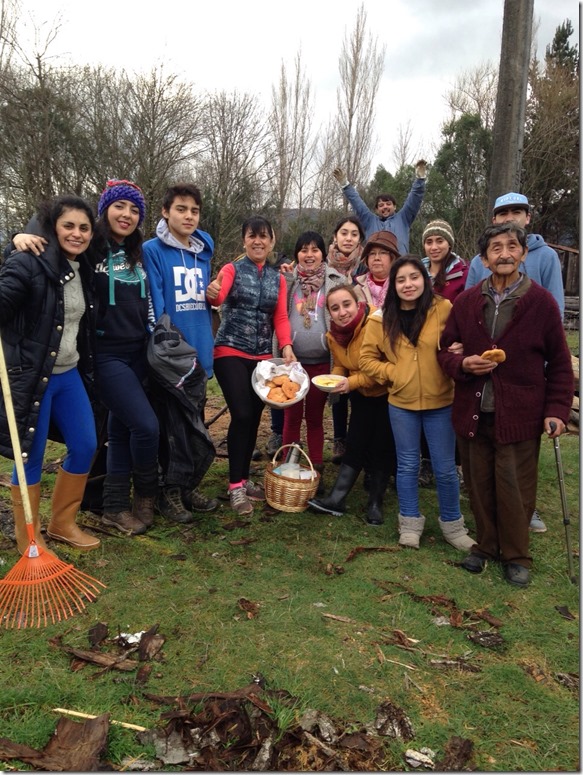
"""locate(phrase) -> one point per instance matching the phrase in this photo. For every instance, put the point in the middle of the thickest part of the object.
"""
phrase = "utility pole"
(508, 133)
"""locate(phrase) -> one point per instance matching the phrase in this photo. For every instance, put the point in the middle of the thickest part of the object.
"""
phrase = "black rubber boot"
(378, 481)
(335, 503)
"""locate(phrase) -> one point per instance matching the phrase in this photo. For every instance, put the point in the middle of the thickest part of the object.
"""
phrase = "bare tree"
(293, 147)
(402, 148)
(474, 92)
(361, 65)
(232, 168)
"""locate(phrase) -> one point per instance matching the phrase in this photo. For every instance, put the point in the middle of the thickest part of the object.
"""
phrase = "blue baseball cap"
(511, 200)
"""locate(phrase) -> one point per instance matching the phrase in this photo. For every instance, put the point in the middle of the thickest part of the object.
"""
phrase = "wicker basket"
(286, 494)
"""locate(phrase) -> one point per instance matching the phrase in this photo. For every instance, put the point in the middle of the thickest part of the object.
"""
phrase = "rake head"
(41, 589)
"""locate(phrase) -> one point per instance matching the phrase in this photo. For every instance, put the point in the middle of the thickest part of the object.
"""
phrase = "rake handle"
(11, 417)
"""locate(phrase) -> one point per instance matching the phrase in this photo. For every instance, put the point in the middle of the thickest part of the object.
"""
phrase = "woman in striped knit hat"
(447, 270)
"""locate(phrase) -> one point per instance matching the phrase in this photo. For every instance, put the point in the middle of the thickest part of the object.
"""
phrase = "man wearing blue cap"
(541, 264)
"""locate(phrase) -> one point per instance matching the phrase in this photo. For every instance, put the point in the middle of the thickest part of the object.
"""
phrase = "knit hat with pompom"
(122, 189)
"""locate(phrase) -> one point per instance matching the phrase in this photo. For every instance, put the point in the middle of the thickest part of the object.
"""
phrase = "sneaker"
(338, 450)
(254, 491)
(536, 523)
(194, 500)
(239, 501)
(170, 506)
(124, 521)
(274, 442)
(425, 473)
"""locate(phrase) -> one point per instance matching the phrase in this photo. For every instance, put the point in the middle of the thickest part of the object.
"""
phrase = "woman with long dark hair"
(400, 349)
(47, 323)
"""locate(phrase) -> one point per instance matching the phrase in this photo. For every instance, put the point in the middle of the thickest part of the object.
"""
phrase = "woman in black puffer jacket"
(46, 321)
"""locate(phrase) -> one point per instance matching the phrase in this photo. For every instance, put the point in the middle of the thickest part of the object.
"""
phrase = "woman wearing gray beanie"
(447, 270)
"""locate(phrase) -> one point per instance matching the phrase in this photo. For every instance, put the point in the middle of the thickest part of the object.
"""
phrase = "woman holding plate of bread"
(253, 298)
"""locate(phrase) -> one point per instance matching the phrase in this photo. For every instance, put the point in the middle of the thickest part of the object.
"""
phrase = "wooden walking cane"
(566, 519)
(41, 589)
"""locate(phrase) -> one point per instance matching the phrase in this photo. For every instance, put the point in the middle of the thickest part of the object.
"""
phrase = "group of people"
(79, 299)
(406, 334)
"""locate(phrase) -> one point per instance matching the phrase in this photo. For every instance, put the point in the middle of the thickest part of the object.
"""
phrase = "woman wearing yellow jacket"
(400, 349)
(369, 441)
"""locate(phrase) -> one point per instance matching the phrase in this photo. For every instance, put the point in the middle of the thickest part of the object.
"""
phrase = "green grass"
(189, 580)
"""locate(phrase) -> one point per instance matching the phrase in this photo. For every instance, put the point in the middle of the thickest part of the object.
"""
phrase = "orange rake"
(41, 589)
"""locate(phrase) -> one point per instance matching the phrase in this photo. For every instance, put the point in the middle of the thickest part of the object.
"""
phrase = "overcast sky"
(226, 45)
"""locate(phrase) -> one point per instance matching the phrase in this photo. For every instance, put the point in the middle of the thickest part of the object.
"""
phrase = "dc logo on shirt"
(188, 283)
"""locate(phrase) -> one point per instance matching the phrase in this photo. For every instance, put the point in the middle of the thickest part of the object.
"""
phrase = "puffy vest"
(247, 312)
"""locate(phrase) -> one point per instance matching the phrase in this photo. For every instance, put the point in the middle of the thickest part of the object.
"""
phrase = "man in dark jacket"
(500, 409)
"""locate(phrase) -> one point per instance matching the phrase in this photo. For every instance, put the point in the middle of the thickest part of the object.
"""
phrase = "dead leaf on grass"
(236, 524)
(97, 634)
(569, 680)
(345, 619)
(487, 639)
(332, 569)
(242, 541)
(565, 613)
(457, 663)
(250, 608)
(456, 756)
(391, 721)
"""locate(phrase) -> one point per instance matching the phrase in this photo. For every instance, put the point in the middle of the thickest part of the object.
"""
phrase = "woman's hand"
(31, 242)
(456, 347)
(288, 354)
(342, 386)
(287, 268)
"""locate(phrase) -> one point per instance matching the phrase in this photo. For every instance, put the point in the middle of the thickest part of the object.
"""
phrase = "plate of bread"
(279, 385)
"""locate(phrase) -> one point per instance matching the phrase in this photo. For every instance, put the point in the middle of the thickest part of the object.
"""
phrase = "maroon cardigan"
(536, 379)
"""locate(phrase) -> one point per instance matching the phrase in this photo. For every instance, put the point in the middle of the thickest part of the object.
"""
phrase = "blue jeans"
(132, 426)
(436, 424)
(66, 404)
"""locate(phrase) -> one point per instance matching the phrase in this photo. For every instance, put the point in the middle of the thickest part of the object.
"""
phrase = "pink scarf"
(377, 292)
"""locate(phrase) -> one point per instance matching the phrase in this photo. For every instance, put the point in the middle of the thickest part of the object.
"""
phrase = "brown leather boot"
(67, 497)
(22, 540)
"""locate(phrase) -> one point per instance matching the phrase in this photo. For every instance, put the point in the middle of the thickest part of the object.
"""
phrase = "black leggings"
(245, 406)
(369, 442)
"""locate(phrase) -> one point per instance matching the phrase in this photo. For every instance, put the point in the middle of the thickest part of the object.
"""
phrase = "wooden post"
(508, 134)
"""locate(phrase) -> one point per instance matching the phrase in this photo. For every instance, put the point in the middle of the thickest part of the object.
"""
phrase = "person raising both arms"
(386, 217)
(253, 296)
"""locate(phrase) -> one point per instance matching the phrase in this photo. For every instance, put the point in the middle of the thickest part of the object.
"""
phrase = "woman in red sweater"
(253, 296)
